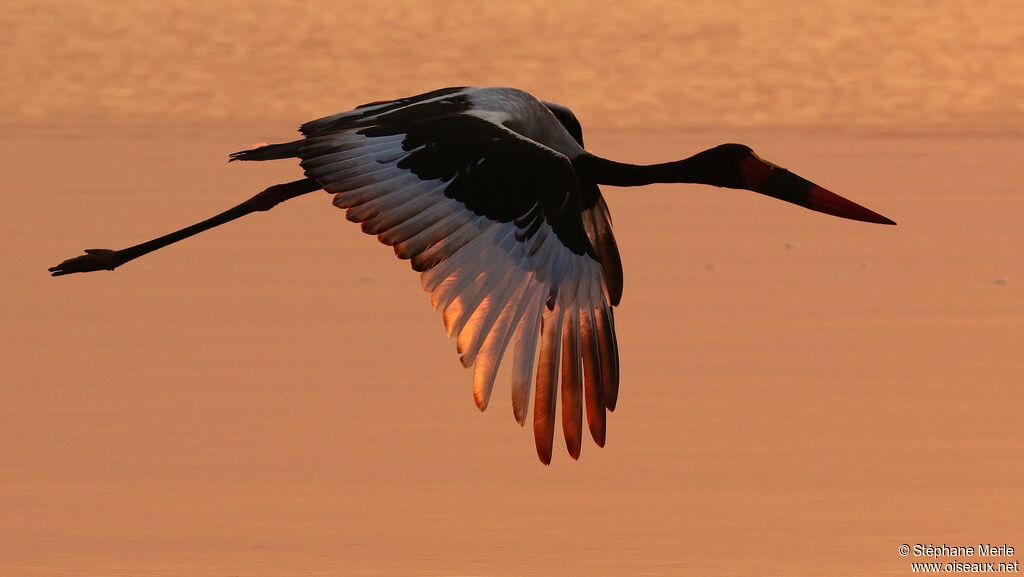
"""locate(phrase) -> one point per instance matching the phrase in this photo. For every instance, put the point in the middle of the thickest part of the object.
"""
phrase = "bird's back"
(515, 109)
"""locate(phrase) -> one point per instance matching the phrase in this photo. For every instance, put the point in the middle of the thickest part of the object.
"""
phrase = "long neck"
(610, 172)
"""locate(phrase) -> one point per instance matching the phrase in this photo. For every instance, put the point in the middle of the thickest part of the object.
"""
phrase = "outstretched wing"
(597, 220)
(491, 220)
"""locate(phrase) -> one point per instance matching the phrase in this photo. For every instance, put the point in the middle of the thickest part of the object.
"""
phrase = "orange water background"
(800, 395)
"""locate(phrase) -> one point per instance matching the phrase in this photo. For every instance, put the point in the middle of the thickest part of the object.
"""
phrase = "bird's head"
(737, 166)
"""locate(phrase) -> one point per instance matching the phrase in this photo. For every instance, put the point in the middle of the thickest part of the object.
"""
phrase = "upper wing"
(492, 221)
(597, 220)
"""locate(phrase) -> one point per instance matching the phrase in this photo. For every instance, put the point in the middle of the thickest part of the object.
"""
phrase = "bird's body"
(491, 196)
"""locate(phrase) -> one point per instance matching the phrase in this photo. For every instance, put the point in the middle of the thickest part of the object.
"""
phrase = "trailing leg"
(106, 259)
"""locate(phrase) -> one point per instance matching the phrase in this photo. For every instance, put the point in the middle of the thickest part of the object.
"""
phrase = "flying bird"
(491, 196)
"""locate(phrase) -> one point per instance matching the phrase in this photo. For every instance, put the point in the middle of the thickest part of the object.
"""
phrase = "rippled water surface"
(897, 66)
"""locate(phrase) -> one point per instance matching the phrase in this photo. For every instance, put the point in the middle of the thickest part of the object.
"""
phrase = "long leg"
(106, 259)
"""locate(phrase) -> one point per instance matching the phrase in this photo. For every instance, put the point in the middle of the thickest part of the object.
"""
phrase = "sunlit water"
(893, 66)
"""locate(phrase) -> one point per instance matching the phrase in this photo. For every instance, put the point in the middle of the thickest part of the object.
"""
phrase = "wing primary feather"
(615, 353)
(415, 204)
(478, 323)
(416, 225)
(498, 295)
(441, 250)
(386, 155)
(481, 290)
(445, 227)
(398, 180)
(572, 401)
(379, 205)
(468, 235)
(461, 296)
(538, 240)
(489, 358)
(455, 285)
(572, 281)
(547, 381)
(591, 296)
(609, 358)
(363, 165)
(523, 355)
(457, 232)
(592, 376)
(346, 142)
(543, 260)
(356, 196)
(598, 223)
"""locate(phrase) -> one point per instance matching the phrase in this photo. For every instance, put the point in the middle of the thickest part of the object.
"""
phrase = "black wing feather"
(597, 219)
(472, 154)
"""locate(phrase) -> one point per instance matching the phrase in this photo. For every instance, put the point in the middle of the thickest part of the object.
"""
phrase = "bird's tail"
(269, 152)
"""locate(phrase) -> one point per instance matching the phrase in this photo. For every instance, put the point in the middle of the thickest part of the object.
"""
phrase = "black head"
(737, 166)
(720, 166)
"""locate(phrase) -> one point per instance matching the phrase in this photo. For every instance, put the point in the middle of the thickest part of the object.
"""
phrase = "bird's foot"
(93, 259)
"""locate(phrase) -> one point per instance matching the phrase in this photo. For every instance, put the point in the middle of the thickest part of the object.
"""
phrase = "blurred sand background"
(801, 394)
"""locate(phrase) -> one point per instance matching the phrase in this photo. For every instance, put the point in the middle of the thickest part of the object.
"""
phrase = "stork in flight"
(492, 197)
